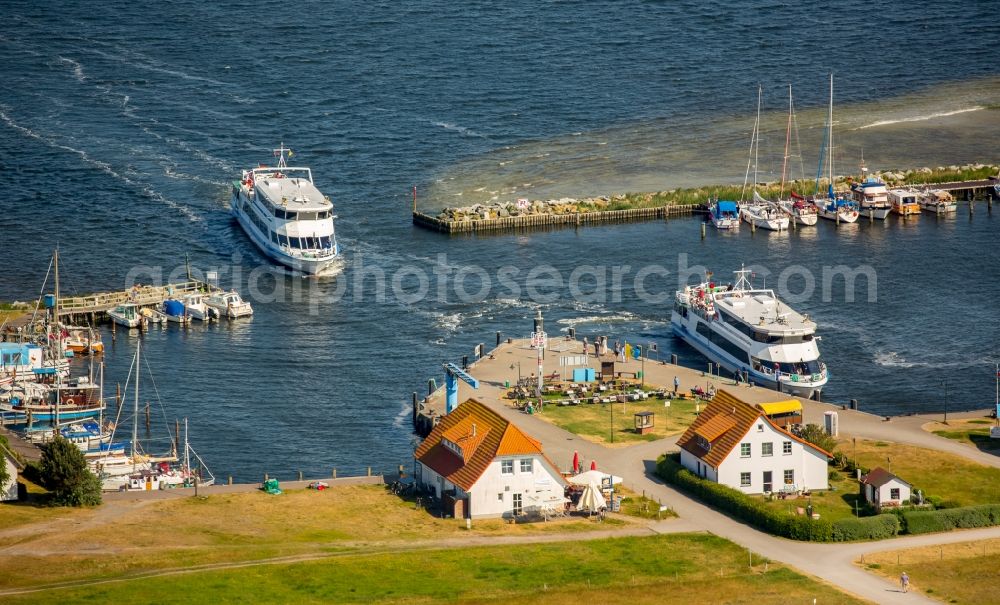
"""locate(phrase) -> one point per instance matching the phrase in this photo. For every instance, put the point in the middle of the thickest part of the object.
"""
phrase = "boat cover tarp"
(173, 307)
(727, 206)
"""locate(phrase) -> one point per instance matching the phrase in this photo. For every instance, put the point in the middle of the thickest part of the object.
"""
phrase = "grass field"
(940, 474)
(696, 567)
(593, 421)
(953, 573)
(974, 432)
(138, 536)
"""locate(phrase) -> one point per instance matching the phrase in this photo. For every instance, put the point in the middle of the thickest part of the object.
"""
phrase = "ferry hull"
(804, 390)
(309, 266)
(875, 213)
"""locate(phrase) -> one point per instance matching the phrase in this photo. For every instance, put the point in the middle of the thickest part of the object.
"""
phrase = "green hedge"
(946, 519)
(756, 513)
(878, 527)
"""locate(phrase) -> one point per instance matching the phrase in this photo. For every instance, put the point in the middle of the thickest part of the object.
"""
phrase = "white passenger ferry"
(286, 216)
(749, 331)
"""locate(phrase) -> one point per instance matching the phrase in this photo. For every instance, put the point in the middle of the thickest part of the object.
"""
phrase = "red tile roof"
(494, 436)
(722, 425)
(878, 477)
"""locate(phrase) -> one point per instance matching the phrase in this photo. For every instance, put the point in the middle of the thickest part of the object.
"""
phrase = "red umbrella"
(593, 465)
(576, 462)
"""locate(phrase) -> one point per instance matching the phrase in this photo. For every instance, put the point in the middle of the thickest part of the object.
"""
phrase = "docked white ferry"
(749, 331)
(286, 216)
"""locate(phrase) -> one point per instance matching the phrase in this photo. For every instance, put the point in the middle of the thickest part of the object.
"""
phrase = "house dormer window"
(704, 443)
(451, 445)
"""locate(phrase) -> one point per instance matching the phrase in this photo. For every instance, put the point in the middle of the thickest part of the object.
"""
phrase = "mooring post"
(300, 475)
(703, 231)
(369, 471)
(334, 472)
(230, 480)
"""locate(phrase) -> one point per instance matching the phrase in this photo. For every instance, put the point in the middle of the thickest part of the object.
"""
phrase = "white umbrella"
(589, 477)
(591, 499)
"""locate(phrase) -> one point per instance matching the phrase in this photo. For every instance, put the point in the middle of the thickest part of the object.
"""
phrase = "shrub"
(814, 434)
(946, 519)
(878, 527)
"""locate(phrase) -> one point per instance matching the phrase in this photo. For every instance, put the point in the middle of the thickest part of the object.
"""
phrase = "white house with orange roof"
(482, 466)
(736, 444)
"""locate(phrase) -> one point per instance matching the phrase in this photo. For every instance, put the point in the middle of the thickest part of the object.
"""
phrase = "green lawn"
(836, 503)
(593, 421)
(654, 569)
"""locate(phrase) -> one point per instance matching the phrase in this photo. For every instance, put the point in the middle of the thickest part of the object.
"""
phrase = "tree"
(814, 434)
(65, 474)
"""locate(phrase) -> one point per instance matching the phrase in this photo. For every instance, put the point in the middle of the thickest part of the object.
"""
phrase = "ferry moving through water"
(750, 332)
(286, 216)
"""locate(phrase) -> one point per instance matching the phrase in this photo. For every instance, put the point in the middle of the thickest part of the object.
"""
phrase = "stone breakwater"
(523, 207)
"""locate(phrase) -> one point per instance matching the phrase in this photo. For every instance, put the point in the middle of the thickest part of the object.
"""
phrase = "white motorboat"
(126, 315)
(152, 315)
(195, 306)
(748, 331)
(724, 214)
(286, 216)
(871, 196)
(937, 201)
(229, 304)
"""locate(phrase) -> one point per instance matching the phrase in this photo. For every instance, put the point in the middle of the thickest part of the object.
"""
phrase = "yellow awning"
(781, 407)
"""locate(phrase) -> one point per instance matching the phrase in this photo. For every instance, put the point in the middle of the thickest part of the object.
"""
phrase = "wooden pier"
(533, 221)
(969, 190)
(93, 307)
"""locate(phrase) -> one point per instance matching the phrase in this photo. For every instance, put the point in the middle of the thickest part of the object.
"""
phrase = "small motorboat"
(153, 316)
(937, 201)
(84, 341)
(175, 311)
(229, 304)
(904, 202)
(126, 315)
(724, 214)
(196, 308)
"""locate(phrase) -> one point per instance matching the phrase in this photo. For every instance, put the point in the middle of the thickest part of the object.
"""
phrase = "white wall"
(540, 485)
(691, 462)
(885, 492)
(8, 491)
(810, 467)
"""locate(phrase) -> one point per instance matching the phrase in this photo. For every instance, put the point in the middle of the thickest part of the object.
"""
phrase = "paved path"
(636, 465)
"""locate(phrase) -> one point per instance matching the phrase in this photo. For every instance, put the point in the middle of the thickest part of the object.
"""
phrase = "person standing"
(677, 386)
(584, 345)
(904, 582)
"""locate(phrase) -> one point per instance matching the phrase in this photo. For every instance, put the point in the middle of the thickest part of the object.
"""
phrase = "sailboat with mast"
(759, 212)
(832, 207)
(796, 208)
(141, 470)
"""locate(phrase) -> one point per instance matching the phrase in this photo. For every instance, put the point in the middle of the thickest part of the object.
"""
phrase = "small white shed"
(882, 489)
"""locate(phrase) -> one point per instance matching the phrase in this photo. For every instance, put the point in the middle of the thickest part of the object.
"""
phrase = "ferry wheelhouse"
(749, 331)
(286, 216)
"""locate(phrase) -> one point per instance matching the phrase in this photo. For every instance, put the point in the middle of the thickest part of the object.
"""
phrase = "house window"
(517, 504)
(507, 467)
(789, 476)
(744, 450)
(786, 448)
(526, 466)
(768, 486)
(767, 449)
(744, 479)
(894, 493)
(500, 496)
(760, 427)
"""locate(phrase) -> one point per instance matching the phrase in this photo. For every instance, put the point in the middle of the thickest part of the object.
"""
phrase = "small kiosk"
(644, 422)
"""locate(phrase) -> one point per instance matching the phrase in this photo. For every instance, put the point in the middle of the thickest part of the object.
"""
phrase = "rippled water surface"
(122, 125)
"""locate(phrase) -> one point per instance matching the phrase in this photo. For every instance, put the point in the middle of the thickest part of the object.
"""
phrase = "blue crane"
(453, 374)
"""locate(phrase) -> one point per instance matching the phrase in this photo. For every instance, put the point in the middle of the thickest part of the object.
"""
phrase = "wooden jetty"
(969, 190)
(92, 307)
(532, 221)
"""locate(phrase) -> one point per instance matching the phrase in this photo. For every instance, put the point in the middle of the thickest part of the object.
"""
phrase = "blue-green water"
(122, 125)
